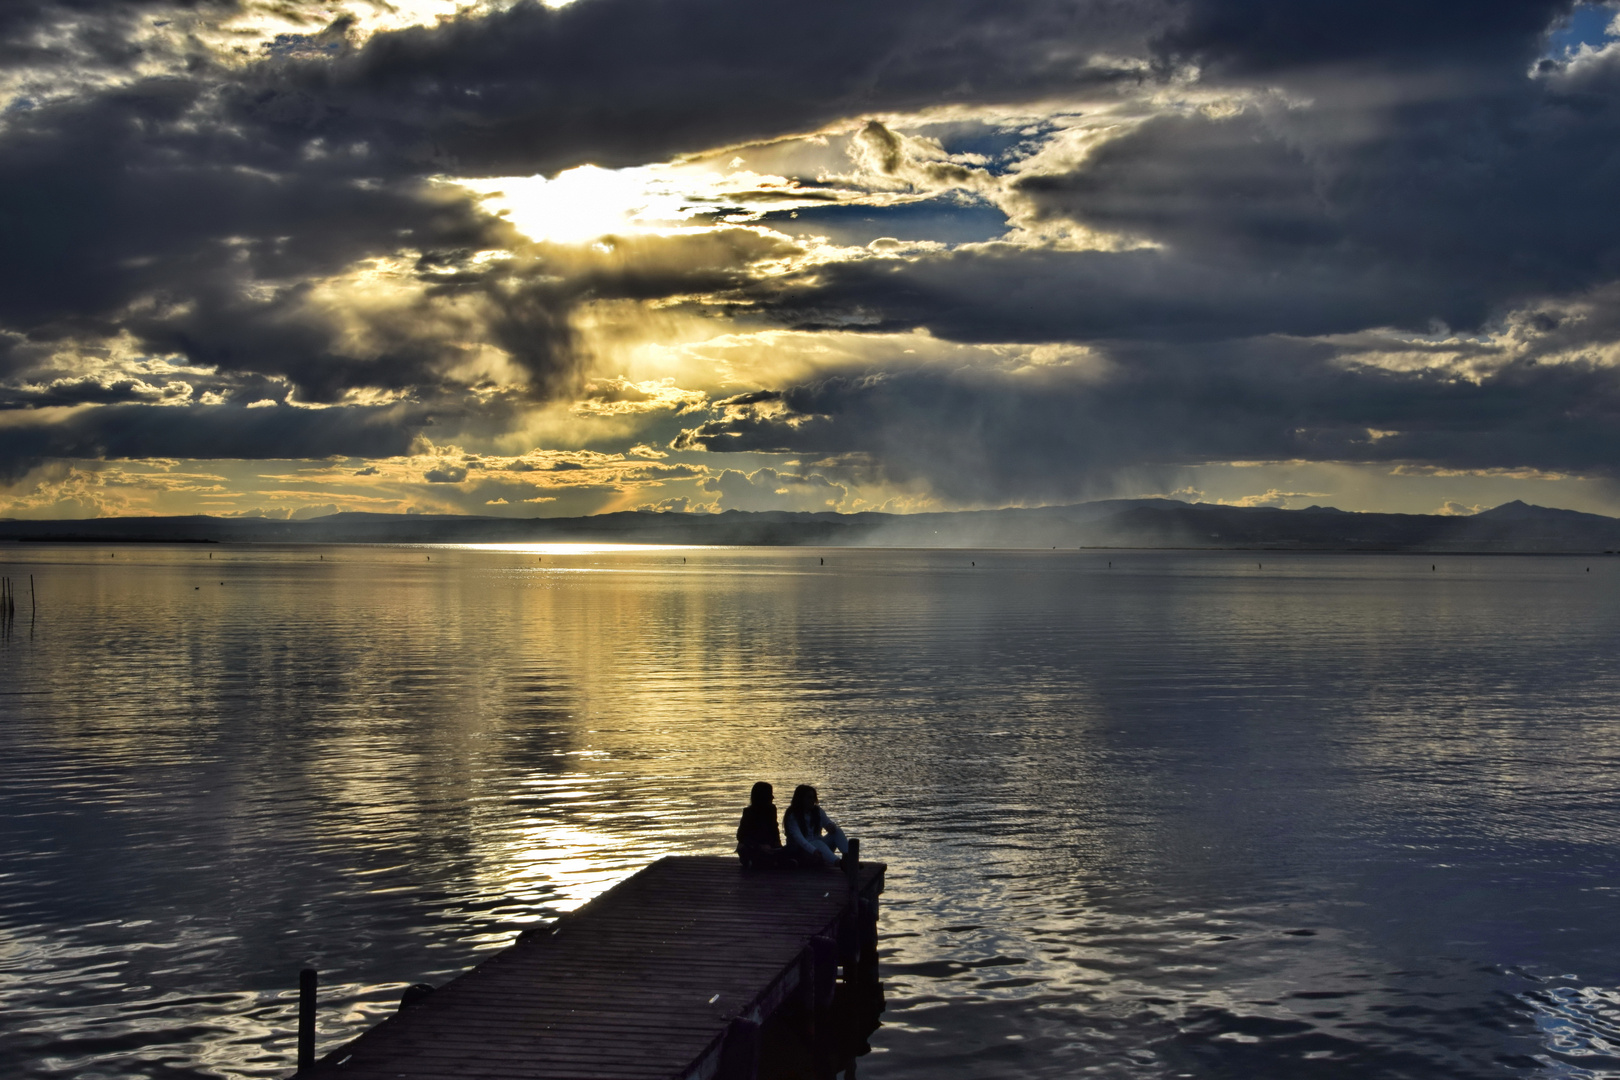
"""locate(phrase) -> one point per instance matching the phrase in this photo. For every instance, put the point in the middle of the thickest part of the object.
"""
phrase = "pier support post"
(739, 1054)
(851, 939)
(307, 980)
(869, 936)
(824, 960)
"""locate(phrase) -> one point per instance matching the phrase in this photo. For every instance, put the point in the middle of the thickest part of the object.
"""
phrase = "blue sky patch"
(1588, 24)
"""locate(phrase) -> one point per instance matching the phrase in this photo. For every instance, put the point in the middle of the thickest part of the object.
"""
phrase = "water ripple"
(1166, 818)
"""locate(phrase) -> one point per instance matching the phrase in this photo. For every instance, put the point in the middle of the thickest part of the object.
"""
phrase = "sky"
(286, 258)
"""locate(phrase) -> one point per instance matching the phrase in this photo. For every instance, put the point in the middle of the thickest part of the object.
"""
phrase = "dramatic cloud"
(909, 255)
(623, 82)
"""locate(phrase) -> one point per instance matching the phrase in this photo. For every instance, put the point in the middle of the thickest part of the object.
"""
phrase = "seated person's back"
(758, 841)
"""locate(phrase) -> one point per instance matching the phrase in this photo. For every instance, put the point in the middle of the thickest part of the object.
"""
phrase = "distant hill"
(1130, 523)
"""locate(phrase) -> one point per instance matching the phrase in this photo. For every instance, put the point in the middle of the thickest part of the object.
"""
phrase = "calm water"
(1184, 816)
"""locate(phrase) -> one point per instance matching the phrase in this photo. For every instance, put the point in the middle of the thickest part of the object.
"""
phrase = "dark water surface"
(1185, 816)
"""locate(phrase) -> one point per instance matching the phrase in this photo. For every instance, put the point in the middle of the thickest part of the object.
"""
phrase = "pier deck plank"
(622, 987)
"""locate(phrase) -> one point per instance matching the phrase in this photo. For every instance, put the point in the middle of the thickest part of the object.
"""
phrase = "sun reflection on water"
(573, 548)
(1157, 818)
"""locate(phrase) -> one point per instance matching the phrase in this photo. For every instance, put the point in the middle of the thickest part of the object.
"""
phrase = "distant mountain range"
(1124, 523)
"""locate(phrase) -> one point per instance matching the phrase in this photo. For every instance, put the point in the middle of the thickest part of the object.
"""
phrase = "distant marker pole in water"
(307, 980)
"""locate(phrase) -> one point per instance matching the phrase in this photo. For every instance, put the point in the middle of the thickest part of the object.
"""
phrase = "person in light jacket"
(806, 823)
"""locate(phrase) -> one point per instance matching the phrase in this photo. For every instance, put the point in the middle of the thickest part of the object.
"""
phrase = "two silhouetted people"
(813, 838)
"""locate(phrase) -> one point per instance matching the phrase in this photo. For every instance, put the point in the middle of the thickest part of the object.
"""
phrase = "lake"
(1146, 814)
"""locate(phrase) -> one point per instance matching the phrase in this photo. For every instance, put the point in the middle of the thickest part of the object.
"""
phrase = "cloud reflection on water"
(1177, 815)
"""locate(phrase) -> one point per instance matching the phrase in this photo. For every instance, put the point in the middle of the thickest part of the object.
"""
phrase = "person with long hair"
(759, 844)
(814, 838)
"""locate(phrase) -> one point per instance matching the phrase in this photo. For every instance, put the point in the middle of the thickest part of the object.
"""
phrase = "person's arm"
(835, 835)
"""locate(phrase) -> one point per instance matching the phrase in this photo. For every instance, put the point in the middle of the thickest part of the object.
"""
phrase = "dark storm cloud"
(218, 431)
(1286, 219)
(1444, 209)
(121, 213)
(622, 82)
(279, 349)
(1473, 195)
(1267, 37)
(47, 33)
(977, 437)
(1389, 166)
(91, 391)
(1018, 294)
(152, 210)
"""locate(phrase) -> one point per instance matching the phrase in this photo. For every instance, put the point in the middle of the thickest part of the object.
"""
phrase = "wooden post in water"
(824, 962)
(739, 1054)
(849, 935)
(307, 980)
(33, 600)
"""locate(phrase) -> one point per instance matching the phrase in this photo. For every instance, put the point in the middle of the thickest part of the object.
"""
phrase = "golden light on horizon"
(574, 549)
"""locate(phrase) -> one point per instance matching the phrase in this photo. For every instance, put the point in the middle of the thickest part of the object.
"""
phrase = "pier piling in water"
(692, 969)
(307, 982)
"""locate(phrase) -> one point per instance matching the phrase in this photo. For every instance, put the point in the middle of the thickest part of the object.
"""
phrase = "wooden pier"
(673, 974)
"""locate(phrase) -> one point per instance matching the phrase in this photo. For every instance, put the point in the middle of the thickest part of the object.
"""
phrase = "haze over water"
(1187, 815)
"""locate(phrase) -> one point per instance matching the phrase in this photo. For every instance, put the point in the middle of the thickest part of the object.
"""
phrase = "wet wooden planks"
(642, 982)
